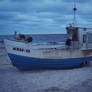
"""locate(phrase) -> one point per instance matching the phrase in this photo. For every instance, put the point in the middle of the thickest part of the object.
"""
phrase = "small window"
(84, 38)
(90, 38)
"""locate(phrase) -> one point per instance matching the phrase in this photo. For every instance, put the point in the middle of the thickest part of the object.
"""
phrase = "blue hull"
(28, 63)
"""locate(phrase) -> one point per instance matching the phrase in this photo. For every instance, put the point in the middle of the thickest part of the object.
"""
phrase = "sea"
(39, 38)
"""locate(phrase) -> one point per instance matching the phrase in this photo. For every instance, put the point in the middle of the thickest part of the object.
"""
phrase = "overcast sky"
(42, 16)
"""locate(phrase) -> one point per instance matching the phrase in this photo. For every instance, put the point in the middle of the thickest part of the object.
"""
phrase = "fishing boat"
(77, 51)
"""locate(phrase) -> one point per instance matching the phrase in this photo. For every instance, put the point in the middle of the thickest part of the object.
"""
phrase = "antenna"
(74, 9)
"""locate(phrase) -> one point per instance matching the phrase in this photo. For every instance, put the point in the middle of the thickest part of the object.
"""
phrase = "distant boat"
(77, 51)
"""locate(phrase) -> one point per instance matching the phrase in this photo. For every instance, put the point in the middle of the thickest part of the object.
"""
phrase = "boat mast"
(74, 19)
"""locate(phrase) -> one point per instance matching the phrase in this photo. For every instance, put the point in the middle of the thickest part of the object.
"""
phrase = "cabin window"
(90, 38)
(75, 35)
(84, 38)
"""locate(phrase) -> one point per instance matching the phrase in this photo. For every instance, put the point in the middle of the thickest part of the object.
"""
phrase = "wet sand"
(62, 80)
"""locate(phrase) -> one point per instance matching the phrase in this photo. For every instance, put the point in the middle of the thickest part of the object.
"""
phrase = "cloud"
(42, 16)
(7, 16)
(76, 1)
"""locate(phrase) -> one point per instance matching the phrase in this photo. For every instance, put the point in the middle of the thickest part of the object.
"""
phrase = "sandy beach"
(62, 80)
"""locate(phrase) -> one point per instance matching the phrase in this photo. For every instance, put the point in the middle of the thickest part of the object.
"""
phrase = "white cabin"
(81, 37)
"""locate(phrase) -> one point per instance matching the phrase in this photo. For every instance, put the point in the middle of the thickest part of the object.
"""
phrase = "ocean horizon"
(39, 37)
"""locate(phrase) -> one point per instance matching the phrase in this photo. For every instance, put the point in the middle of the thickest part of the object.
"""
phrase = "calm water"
(40, 38)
